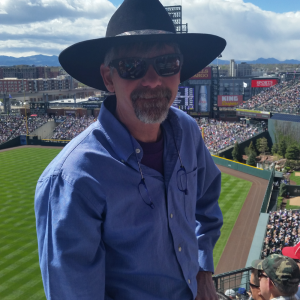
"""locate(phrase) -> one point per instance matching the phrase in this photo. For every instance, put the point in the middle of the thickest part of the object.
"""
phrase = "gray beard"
(151, 106)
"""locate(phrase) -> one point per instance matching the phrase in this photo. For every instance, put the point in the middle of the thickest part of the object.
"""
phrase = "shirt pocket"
(190, 181)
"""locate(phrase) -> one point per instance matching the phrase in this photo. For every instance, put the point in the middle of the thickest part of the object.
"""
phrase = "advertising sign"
(263, 83)
(234, 100)
(204, 98)
(23, 140)
(253, 113)
(185, 99)
(203, 74)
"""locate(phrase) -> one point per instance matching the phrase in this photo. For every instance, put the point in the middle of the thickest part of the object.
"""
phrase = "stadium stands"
(13, 126)
(71, 127)
(283, 230)
(281, 98)
(219, 135)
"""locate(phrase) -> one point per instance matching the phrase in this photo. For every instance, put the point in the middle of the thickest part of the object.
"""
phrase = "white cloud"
(249, 31)
(49, 26)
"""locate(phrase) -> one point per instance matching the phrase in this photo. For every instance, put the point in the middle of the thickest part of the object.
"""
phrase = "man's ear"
(107, 79)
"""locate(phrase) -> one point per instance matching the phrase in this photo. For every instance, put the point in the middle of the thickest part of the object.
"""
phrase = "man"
(128, 209)
(294, 253)
(254, 286)
(279, 277)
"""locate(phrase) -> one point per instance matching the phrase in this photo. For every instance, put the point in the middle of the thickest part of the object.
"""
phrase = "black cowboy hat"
(139, 21)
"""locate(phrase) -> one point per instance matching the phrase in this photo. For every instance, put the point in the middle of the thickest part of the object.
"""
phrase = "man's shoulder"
(184, 119)
(75, 154)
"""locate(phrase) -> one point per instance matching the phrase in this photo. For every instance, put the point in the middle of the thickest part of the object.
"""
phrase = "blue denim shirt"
(98, 239)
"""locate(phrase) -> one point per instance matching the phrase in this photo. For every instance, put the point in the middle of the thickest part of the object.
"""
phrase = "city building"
(15, 85)
(29, 72)
(244, 70)
(232, 68)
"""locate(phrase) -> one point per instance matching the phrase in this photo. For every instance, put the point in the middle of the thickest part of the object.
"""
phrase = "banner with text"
(263, 83)
(234, 100)
(203, 74)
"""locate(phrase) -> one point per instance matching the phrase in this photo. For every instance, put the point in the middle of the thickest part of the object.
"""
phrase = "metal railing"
(232, 280)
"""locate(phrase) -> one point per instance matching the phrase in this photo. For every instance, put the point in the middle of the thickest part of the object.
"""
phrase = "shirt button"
(171, 215)
(189, 281)
(137, 150)
(179, 249)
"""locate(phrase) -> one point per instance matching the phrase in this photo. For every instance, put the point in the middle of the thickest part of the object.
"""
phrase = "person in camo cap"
(279, 277)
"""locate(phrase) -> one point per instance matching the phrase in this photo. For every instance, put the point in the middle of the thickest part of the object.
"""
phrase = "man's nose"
(151, 78)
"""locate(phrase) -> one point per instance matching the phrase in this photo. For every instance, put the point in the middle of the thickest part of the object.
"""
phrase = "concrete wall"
(286, 128)
(258, 239)
(45, 131)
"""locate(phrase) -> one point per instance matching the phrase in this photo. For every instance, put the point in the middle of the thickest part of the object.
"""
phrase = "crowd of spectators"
(281, 98)
(13, 126)
(283, 230)
(71, 127)
(286, 102)
(219, 135)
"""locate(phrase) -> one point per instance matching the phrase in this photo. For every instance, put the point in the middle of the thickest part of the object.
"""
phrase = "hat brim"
(83, 60)
(257, 264)
(292, 251)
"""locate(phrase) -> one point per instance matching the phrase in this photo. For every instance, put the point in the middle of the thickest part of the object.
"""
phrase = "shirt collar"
(118, 135)
(115, 132)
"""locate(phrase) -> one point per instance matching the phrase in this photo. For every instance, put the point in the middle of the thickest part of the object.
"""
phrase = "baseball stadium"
(251, 127)
(249, 194)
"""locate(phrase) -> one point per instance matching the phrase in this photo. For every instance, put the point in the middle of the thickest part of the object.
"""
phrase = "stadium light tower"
(175, 12)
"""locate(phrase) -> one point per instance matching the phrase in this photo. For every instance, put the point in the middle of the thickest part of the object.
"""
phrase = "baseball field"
(19, 171)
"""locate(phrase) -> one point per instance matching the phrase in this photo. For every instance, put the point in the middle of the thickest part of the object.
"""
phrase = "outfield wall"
(268, 175)
(11, 143)
(241, 167)
(258, 239)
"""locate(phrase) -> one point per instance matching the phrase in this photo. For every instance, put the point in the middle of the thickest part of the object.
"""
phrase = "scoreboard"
(185, 99)
(38, 108)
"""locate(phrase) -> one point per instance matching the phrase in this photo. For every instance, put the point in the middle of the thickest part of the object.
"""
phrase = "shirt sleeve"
(209, 219)
(71, 252)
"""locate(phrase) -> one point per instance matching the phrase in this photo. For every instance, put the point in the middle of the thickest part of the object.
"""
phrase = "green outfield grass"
(20, 277)
(295, 178)
(233, 195)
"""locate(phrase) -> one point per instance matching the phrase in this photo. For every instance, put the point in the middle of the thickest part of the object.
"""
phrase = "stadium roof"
(284, 117)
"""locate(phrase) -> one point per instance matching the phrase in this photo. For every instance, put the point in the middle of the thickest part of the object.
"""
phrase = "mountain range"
(263, 61)
(37, 60)
(44, 60)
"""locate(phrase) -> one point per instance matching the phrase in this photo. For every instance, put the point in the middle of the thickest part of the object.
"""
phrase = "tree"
(251, 159)
(236, 152)
(282, 190)
(275, 148)
(282, 148)
(262, 145)
(250, 149)
(292, 152)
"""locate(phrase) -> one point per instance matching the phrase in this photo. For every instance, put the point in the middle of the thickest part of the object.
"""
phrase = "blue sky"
(252, 28)
(278, 6)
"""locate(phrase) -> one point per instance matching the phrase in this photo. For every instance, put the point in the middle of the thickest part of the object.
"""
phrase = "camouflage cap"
(282, 270)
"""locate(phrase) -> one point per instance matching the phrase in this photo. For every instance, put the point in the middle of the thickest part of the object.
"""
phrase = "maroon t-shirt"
(153, 155)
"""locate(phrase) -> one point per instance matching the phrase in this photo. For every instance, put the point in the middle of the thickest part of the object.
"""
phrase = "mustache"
(146, 93)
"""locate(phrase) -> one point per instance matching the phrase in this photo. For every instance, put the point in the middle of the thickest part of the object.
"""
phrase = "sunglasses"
(132, 68)
(261, 274)
(253, 285)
